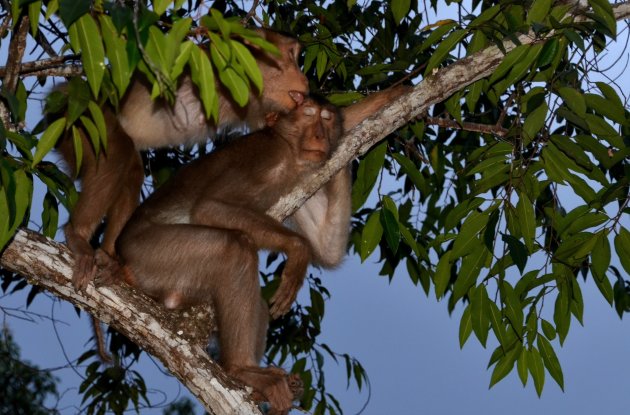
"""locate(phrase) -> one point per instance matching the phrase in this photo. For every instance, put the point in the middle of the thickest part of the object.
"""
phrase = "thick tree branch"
(48, 264)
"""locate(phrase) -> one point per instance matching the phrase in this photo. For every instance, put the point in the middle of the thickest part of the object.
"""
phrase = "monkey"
(111, 181)
(196, 238)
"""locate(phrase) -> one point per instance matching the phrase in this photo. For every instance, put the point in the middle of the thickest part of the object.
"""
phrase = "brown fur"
(197, 237)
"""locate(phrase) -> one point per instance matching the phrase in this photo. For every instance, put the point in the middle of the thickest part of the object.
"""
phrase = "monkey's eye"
(309, 111)
(327, 115)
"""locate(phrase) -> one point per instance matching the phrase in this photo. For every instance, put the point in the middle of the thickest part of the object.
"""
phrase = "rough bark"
(169, 336)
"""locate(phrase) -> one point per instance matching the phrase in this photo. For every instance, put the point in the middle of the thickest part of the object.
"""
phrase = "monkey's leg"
(243, 319)
(359, 111)
(190, 264)
(125, 202)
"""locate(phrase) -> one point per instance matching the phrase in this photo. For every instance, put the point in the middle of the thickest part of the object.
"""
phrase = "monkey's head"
(281, 73)
(312, 129)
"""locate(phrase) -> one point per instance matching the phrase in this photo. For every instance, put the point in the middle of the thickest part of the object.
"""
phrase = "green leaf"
(371, 235)
(551, 361)
(71, 10)
(505, 365)
(202, 75)
(496, 322)
(534, 122)
(34, 10)
(116, 48)
(548, 329)
(604, 11)
(600, 261)
(443, 49)
(622, 246)
(92, 52)
(412, 173)
(391, 228)
(515, 55)
(321, 64)
(92, 133)
(78, 147)
(246, 59)
(469, 271)
(537, 369)
(48, 140)
(479, 313)
(513, 307)
(539, 11)
(606, 107)
(562, 313)
(576, 248)
(23, 196)
(574, 100)
(443, 274)
(518, 252)
(159, 6)
(610, 94)
(521, 367)
(400, 8)
(235, 84)
(549, 51)
(467, 239)
(465, 327)
(368, 172)
(99, 120)
(598, 126)
(437, 35)
(50, 215)
(527, 220)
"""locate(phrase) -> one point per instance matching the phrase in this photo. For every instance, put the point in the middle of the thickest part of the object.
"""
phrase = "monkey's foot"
(83, 271)
(109, 271)
(284, 297)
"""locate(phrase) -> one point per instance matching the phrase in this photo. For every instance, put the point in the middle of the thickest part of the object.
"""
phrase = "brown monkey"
(111, 182)
(196, 239)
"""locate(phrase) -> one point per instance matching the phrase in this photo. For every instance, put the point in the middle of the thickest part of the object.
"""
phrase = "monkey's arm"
(325, 219)
(368, 106)
(265, 233)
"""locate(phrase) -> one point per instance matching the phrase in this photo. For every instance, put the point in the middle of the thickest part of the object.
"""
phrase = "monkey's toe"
(83, 271)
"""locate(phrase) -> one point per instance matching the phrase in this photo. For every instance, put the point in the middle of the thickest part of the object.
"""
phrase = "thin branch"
(467, 126)
(59, 63)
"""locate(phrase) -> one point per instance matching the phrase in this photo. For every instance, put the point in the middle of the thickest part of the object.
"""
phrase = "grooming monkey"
(196, 239)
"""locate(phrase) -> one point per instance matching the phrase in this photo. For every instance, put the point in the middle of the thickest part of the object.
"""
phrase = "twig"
(467, 126)
(28, 68)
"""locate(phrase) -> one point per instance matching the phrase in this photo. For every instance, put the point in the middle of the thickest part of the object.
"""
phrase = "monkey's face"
(320, 129)
(282, 73)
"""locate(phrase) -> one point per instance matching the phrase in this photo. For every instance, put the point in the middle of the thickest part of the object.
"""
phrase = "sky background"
(407, 343)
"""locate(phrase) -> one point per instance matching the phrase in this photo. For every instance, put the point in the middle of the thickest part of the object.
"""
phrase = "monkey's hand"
(284, 296)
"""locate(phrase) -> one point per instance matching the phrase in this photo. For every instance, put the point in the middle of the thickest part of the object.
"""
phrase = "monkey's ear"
(271, 118)
(297, 96)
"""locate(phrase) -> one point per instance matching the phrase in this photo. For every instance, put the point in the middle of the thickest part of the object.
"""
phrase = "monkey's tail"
(99, 337)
